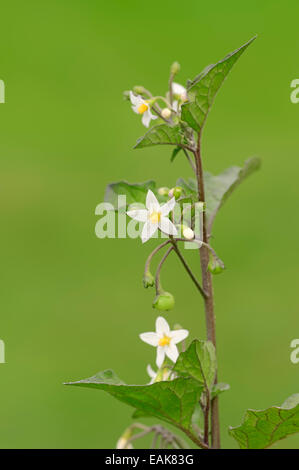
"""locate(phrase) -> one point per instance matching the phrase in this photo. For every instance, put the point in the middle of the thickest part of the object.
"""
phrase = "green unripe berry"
(164, 301)
(215, 266)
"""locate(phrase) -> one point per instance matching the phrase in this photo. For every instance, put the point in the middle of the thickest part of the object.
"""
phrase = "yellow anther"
(142, 108)
(155, 217)
(165, 341)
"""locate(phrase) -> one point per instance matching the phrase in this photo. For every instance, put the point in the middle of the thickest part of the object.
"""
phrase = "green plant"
(184, 392)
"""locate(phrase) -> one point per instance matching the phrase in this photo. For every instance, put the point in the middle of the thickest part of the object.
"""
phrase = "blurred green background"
(72, 304)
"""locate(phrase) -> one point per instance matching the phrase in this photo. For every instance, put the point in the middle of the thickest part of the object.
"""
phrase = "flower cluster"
(144, 107)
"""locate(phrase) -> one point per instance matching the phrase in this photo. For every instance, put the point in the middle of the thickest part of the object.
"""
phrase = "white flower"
(179, 92)
(164, 340)
(140, 106)
(154, 217)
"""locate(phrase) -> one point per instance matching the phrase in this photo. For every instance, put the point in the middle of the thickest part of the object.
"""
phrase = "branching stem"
(184, 263)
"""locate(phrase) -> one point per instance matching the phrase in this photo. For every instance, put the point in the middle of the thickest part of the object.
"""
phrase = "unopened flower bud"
(215, 266)
(122, 442)
(148, 279)
(163, 191)
(175, 68)
(188, 233)
(166, 113)
(175, 192)
(138, 89)
(163, 374)
(164, 301)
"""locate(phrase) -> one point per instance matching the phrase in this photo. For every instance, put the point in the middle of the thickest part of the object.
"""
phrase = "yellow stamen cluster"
(165, 341)
(142, 108)
(155, 217)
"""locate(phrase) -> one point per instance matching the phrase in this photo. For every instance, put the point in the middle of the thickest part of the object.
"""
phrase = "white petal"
(175, 106)
(172, 352)
(152, 374)
(160, 356)
(153, 116)
(138, 214)
(135, 109)
(169, 206)
(148, 231)
(135, 100)
(162, 327)
(178, 335)
(151, 201)
(146, 118)
(178, 89)
(167, 226)
(150, 338)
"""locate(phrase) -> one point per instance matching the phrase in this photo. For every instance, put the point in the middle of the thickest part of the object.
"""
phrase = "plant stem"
(206, 419)
(157, 280)
(201, 243)
(150, 257)
(208, 288)
(189, 160)
(184, 263)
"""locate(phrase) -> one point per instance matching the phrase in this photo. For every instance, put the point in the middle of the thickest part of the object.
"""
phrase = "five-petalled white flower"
(154, 217)
(164, 340)
(140, 106)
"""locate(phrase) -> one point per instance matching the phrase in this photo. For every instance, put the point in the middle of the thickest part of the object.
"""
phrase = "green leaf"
(174, 153)
(203, 89)
(189, 186)
(198, 362)
(161, 134)
(219, 187)
(134, 192)
(261, 429)
(171, 401)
